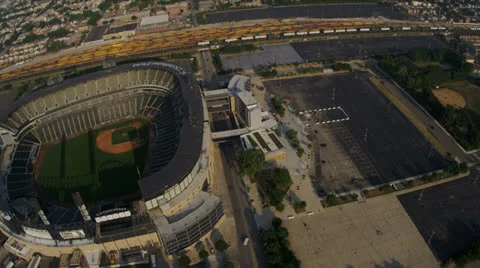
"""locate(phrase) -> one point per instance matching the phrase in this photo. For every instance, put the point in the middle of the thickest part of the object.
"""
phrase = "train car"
(351, 30)
(260, 37)
(443, 28)
(406, 28)
(434, 28)
(302, 33)
(340, 30)
(328, 31)
(289, 34)
(313, 32)
(204, 43)
(247, 38)
(229, 40)
(364, 29)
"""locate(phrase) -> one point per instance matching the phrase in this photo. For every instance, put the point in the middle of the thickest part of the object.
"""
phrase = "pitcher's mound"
(449, 97)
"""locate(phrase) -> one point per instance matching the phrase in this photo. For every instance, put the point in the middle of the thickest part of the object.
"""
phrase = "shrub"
(300, 206)
(331, 199)
(280, 207)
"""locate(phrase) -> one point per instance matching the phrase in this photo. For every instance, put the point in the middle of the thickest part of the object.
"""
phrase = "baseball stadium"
(117, 153)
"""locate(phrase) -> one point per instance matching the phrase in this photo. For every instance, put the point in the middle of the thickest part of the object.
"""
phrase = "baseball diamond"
(88, 165)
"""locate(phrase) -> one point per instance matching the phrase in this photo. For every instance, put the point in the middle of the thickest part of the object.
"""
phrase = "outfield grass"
(77, 165)
(469, 91)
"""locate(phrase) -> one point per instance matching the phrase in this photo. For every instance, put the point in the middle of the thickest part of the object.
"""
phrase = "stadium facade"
(172, 202)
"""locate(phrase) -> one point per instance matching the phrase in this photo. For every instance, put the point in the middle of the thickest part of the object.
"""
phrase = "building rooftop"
(159, 19)
(246, 98)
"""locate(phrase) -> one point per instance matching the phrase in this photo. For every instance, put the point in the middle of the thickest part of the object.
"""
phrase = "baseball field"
(103, 164)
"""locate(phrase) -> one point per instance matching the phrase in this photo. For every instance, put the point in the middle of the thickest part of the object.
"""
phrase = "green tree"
(203, 254)
(221, 245)
(250, 161)
(134, 18)
(184, 261)
(276, 222)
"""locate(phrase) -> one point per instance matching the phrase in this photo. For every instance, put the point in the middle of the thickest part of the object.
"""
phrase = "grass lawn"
(77, 165)
(469, 91)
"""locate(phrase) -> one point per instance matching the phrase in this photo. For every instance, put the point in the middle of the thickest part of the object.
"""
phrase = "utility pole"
(333, 94)
(366, 134)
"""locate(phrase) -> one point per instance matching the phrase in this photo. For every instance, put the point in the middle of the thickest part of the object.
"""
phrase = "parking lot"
(447, 215)
(375, 233)
(376, 145)
(361, 47)
(272, 54)
(311, 11)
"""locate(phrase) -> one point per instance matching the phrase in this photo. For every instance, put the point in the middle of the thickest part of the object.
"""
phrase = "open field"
(376, 145)
(311, 11)
(449, 97)
(447, 215)
(347, 48)
(469, 91)
(79, 165)
(376, 233)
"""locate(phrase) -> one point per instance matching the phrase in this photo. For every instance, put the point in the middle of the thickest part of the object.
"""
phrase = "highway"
(251, 255)
(447, 141)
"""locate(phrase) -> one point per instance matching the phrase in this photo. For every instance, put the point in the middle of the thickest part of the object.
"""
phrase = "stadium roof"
(191, 134)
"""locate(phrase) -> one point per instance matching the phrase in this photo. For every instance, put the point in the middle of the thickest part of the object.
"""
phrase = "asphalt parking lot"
(311, 11)
(376, 145)
(447, 215)
(272, 54)
(361, 47)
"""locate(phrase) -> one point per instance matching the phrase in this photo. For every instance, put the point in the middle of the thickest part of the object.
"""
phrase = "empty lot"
(447, 215)
(376, 145)
(311, 11)
(362, 47)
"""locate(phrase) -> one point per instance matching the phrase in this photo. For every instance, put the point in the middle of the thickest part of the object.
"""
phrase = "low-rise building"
(153, 23)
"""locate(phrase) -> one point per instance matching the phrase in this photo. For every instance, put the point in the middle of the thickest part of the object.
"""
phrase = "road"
(208, 70)
(447, 141)
(251, 255)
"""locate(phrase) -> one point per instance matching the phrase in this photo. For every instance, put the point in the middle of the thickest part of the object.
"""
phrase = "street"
(208, 70)
(250, 255)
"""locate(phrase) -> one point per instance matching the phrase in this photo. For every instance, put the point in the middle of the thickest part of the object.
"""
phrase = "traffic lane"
(242, 212)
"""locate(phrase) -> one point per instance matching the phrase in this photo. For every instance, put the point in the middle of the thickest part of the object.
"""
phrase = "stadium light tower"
(77, 198)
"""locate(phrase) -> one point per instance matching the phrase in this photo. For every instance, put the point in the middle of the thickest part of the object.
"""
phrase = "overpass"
(222, 135)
